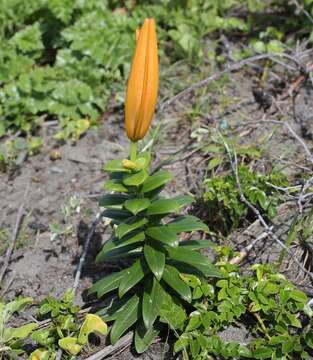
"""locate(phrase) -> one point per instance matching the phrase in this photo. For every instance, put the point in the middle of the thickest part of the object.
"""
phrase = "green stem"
(133, 151)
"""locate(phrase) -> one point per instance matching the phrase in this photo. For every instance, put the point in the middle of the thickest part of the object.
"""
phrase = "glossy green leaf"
(115, 185)
(129, 239)
(155, 259)
(125, 319)
(137, 205)
(162, 206)
(156, 180)
(115, 166)
(132, 276)
(144, 337)
(119, 252)
(172, 312)
(113, 199)
(187, 223)
(164, 234)
(124, 229)
(107, 284)
(135, 179)
(117, 214)
(196, 244)
(152, 302)
(184, 200)
(92, 324)
(194, 259)
(172, 278)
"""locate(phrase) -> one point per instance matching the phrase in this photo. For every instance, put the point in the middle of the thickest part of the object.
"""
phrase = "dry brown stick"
(19, 218)
(230, 68)
(111, 349)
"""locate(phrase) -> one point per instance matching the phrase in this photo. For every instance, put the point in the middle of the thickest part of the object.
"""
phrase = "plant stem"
(133, 151)
(263, 327)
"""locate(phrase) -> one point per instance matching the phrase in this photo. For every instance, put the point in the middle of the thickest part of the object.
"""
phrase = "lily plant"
(159, 269)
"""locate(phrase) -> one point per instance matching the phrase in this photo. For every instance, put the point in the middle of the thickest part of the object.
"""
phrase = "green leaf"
(164, 234)
(155, 259)
(20, 332)
(184, 200)
(152, 302)
(117, 214)
(172, 277)
(156, 180)
(18, 304)
(144, 337)
(213, 163)
(115, 166)
(70, 345)
(194, 259)
(120, 252)
(299, 296)
(126, 318)
(186, 224)
(196, 244)
(39, 354)
(107, 284)
(115, 185)
(92, 324)
(132, 276)
(136, 205)
(124, 229)
(115, 243)
(163, 206)
(135, 179)
(113, 199)
(172, 312)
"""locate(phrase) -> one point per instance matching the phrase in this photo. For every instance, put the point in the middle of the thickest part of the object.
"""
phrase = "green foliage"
(222, 196)
(14, 152)
(146, 292)
(64, 59)
(65, 330)
(11, 338)
(276, 313)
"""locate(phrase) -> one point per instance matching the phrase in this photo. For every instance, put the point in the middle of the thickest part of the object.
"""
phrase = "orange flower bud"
(143, 81)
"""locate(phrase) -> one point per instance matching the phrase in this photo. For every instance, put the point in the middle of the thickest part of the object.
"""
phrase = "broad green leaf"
(92, 324)
(172, 277)
(299, 296)
(137, 205)
(70, 345)
(184, 200)
(132, 276)
(117, 214)
(115, 185)
(194, 259)
(124, 229)
(113, 309)
(186, 224)
(163, 206)
(18, 304)
(107, 284)
(164, 234)
(143, 160)
(196, 244)
(120, 252)
(144, 337)
(115, 243)
(172, 312)
(126, 318)
(155, 259)
(20, 332)
(113, 199)
(135, 179)
(152, 302)
(115, 166)
(156, 180)
(191, 280)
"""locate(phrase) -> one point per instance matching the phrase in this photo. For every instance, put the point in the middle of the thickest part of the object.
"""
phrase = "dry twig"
(19, 218)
